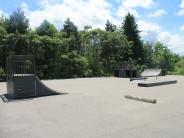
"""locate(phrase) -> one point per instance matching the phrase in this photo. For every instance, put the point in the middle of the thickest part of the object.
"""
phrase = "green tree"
(69, 28)
(3, 51)
(46, 28)
(91, 41)
(148, 55)
(178, 67)
(72, 65)
(17, 43)
(163, 57)
(115, 50)
(130, 29)
(87, 27)
(17, 22)
(70, 33)
(110, 27)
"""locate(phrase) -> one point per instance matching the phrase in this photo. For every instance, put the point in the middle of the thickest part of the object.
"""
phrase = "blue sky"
(159, 20)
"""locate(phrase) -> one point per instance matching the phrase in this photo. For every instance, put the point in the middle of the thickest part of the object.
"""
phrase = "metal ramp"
(22, 81)
(142, 82)
(42, 89)
(151, 73)
(148, 73)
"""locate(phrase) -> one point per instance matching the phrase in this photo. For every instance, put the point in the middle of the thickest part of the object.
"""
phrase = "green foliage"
(87, 27)
(110, 27)
(130, 29)
(2, 73)
(69, 28)
(148, 55)
(46, 28)
(178, 68)
(162, 56)
(17, 22)
(115, 49)
(72, 65)
(85, 53)
(91, 47)
(70, 34)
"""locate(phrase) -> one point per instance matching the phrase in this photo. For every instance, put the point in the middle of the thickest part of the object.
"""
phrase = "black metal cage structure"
(21, 78)
(20, 75)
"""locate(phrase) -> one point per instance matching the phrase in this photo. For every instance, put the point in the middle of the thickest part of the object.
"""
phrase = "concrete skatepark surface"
(96, 108)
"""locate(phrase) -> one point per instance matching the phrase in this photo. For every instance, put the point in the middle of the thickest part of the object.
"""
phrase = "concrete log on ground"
(153, 101)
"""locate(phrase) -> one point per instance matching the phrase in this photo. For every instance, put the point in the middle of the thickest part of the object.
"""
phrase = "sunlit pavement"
(96, 108)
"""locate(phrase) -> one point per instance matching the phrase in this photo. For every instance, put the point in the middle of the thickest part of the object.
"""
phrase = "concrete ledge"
(140, 78)
(153, 101)
(155, 83)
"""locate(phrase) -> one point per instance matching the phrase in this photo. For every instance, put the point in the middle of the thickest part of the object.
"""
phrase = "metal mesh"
(20, 65)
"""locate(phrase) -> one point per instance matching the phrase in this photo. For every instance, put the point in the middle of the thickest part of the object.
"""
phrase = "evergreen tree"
(17, 22)
(87, 27)
(130, 29)
(69, 28)
(58, 55)
(72, 36)
(110, 27)
(46, 28)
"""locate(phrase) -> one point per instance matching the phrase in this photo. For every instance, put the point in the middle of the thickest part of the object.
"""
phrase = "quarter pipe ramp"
(42, 89)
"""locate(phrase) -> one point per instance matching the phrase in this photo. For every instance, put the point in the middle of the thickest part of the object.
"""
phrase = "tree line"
(88, 52)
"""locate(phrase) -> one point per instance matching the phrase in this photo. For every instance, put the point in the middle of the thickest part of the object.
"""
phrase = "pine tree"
(70, 28)
(71, 33)
(110, 27)
(130, 29)
(46, 28)
(17, 22)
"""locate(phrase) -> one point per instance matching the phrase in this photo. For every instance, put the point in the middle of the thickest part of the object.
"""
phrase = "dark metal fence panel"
(17, 68)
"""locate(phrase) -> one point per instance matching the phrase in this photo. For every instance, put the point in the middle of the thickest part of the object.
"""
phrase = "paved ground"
(96, 108)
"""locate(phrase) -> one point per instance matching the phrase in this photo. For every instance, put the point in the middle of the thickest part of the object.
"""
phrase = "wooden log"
(153, 101)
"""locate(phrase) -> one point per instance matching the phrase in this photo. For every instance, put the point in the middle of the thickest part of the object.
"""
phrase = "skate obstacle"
(22, 81)
(153, 101)
(151, 83)
(156, 83)
(148, 73)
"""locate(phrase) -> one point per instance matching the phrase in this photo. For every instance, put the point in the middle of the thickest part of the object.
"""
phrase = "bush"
(2, 73)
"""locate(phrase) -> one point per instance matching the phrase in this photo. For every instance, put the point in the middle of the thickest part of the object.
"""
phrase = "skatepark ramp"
(22, 81)
(151, 73)
(42, 89)
(148, 73)
(151, 83)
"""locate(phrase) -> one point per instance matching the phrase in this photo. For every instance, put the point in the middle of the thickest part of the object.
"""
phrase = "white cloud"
(149, 31)
(148, 26)
(96, 13)
(158, 13)
(131, 5)
(181, 11)
(154, 32)
(24, 7)
(81, 12)
(122, 12)
(182, 28)
(3, 14)
(147, 4)
(174, 41)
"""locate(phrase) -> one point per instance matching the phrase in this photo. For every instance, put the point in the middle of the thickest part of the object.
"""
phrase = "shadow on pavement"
(6, 98)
